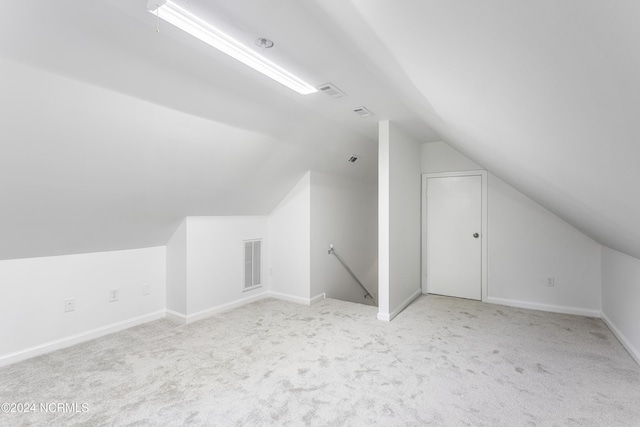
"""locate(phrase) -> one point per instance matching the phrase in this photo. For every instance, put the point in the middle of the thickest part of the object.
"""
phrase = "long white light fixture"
(190, 23)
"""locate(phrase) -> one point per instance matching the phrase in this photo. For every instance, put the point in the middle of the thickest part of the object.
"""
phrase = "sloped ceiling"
(111, 132)
(545, 94)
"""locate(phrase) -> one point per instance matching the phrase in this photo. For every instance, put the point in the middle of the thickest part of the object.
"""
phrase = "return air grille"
(331, 90)
(363, 112)
(252, 258)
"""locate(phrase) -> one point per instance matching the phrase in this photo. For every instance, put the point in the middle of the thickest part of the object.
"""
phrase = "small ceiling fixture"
(331, 90)
(170, 12)
(264, 43)
(363, 111)
(353, 158)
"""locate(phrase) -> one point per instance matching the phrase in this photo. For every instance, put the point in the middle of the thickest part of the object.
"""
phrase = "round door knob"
(476, 235)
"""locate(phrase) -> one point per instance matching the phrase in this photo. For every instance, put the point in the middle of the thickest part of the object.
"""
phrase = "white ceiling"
(111, 132)
(545, 94)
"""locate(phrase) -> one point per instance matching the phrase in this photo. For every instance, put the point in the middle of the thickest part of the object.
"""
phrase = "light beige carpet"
(443, 361)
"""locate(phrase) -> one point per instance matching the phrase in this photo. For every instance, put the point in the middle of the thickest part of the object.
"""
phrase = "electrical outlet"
(146, 289)
(551, 281)
(114, 295)
(69, 305)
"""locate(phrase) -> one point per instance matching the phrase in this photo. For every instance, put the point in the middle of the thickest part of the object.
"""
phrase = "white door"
(454, 243)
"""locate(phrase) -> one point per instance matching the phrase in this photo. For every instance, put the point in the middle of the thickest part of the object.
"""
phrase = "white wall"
(441, 157)
(215, 260)
(527, 244)
(343, 213)
(399, 183)
(290, 242)
(621, 298)
(177, 270)
(34, 290)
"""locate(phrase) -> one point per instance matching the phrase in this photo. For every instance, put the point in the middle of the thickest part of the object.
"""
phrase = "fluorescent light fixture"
(190, 23)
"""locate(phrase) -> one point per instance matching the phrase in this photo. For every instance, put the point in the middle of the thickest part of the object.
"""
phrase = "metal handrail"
(333, 251)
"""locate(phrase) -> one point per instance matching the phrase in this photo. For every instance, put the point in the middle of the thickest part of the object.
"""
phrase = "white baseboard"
(223, 307)
(296, 299)
(78, 338)
(174, 316)
(384, 317)
(633, 352)
(387, 317)
(317, 298)
(544, 307)
(185, 320)
(169, 314)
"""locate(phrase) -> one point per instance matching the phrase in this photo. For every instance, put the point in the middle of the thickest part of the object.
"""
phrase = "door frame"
(483, 232)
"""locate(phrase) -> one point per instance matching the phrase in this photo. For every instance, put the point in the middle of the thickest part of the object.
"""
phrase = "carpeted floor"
(443, 361)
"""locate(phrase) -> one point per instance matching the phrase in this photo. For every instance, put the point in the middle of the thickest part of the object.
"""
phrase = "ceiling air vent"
(331, 90)
(363, 112)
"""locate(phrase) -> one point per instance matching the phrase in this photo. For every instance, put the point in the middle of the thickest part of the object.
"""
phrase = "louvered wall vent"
(252, 264)
(331, 90)
(363, 112)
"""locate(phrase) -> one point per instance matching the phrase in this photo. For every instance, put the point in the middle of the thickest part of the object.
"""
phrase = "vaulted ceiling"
(110, 132)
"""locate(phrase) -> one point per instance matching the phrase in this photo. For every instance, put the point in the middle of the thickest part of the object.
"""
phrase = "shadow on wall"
(344, 213)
